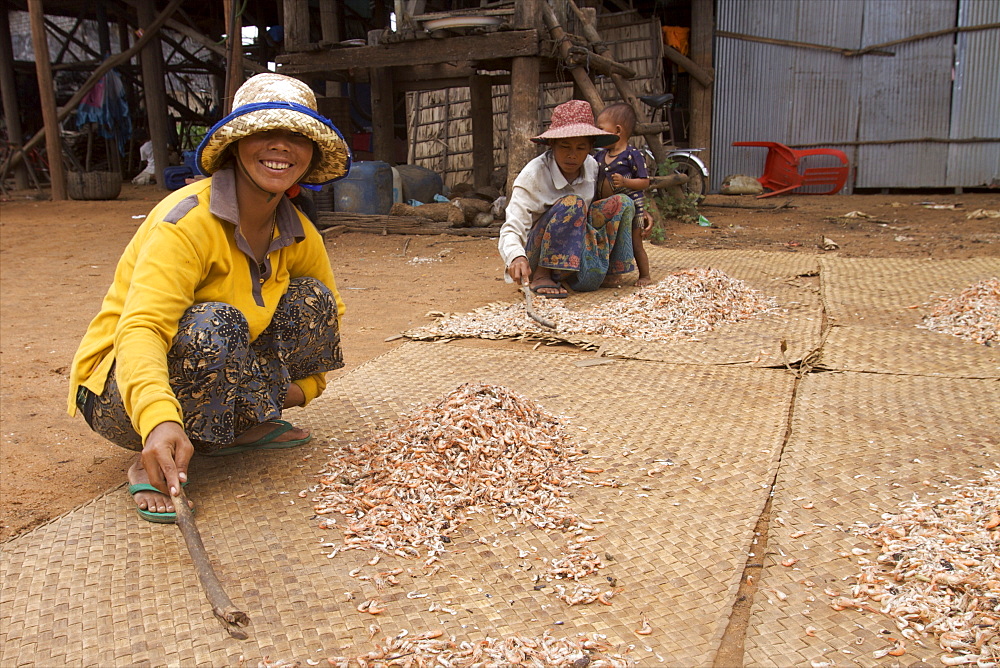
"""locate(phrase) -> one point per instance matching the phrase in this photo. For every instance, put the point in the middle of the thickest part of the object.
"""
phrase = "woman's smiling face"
(570, 154)
(275, 160)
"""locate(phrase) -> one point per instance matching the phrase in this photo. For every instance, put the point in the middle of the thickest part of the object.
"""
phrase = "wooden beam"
(702, 20)
(509, 44)
(47, 92)
(8, 91)
(154, 91)
(481, 96)
(580, 76)
(703, 75)
(203, 40)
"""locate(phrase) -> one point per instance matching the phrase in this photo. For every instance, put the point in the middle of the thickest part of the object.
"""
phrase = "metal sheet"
(906, 96)
(778, 93)
(975, 108)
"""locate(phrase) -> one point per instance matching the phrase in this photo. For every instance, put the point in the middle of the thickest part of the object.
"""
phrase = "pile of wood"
(469, 216)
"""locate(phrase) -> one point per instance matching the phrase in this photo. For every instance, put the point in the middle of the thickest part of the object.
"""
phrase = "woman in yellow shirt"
(223, 310)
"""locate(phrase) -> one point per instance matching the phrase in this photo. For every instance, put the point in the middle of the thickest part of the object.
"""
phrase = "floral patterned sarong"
(581, 246)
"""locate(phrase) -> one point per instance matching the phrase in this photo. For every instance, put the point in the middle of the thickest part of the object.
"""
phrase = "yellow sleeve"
(168, 267)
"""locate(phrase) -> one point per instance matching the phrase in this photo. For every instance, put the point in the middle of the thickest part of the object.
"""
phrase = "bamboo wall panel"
(439, 123)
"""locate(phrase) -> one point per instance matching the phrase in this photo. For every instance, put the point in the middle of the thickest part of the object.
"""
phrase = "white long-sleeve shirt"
(539, 185)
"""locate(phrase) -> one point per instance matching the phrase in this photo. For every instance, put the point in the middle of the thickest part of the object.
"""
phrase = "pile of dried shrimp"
(939, 571)
(481, 448)
(429, 649)
(685, 303)
(972, 315)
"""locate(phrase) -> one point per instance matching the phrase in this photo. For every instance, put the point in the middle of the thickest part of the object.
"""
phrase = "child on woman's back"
(623, 170)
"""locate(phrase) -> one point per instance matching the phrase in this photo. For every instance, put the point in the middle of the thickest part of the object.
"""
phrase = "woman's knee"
(311, 293)
(572, 203)
(214, 329)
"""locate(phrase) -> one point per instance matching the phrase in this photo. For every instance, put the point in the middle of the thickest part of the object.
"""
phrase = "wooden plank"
(47, 93)
(508, 44)
(481, 95)
(379, 224)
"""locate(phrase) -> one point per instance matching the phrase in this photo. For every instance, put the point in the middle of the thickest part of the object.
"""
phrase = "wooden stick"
(531, 311)
(232, 618)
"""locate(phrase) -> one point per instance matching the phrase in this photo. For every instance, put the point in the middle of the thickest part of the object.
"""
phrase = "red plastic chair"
(781, 169)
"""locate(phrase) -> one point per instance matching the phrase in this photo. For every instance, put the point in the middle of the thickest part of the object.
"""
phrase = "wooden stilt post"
(481, 94)
(702, 21)
(296, 16)
(47, 92)
(234, 53)
(8, 90)
(154, 91)
(383, 116)
(522, 112)
(329, 20)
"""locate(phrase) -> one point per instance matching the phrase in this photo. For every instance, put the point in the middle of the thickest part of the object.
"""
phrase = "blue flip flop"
(265, 442)
(149, 515)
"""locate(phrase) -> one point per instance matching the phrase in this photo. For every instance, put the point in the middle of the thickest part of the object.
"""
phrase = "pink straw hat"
(575, 119)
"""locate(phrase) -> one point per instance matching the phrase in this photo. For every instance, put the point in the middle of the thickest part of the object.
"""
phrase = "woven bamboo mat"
(99, 586)
(787, 277)
(860, 444)
(873, 307)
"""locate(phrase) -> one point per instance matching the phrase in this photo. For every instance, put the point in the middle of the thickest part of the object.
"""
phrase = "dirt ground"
(57, 258)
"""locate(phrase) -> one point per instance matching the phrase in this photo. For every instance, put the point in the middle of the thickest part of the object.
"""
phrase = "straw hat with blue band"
(271, 101)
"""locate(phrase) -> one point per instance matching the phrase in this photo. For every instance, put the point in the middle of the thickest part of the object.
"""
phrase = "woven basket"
(93, 185)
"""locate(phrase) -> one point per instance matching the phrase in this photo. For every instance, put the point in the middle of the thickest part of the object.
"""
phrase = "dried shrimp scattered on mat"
(685, 303)
(939, 570)
(430, 649)
(482, 448)
(972, 315)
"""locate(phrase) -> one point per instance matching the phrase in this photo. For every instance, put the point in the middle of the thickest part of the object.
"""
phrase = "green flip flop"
(149, 515)
(265, 442)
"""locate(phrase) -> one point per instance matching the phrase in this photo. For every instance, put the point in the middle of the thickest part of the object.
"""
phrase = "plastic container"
(191, 160)
(367, 188)
(420, 183)
(176, 177)
(397, 186)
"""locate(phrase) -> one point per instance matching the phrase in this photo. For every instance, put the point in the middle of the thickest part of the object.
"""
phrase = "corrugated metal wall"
(975, 107)
(793, 95)
(907, 96)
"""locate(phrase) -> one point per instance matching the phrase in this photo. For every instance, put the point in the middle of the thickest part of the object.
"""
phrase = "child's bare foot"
(612, 281)
(642, 281)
